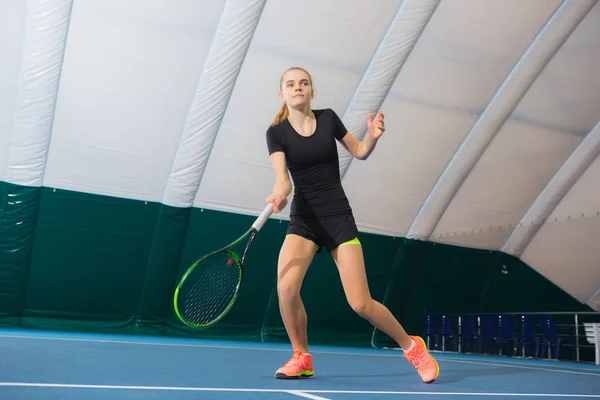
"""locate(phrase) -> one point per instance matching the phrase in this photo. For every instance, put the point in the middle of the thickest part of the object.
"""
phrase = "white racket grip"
(263, 217)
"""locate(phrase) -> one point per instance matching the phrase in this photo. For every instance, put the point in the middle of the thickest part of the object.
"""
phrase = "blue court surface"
(49, 365)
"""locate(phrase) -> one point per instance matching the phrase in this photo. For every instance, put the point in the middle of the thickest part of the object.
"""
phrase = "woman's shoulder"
(323, 111)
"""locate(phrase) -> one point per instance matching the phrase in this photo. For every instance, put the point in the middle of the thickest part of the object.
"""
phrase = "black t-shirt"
(313, 164)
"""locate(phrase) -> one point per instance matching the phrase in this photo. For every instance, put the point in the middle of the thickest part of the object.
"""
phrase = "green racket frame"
(250, 234)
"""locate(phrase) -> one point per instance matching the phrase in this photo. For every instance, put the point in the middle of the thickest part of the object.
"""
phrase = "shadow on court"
(450, 375)
(325, 376)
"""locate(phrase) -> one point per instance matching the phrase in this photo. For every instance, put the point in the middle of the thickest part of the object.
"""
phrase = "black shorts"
(328, 232)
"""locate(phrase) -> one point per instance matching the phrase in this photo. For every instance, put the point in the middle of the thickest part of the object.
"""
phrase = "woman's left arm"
(362, 150)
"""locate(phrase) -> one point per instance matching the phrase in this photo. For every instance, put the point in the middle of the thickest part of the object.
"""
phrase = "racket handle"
(263, 217)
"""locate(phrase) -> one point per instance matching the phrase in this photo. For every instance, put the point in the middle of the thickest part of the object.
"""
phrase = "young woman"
(303, 141)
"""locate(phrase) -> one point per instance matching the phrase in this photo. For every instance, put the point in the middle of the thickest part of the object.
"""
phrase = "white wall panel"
(42, 52)
(565, 249)
(460, 60)
(531, 146)
(387, 190)
(507, 179)
(562, 253)
(128, 80)
(12, 28)
(566, 96)
(336, 52)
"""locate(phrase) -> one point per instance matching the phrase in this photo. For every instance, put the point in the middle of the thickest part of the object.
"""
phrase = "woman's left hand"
(375, 125)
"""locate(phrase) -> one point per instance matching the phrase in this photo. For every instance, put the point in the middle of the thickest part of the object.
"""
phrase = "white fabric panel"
(523, 157)
(565, 250)
(458, 63)
(579, 161)
(12, 26)
(396, 45)
(480, 239)
(506, 181)
(567, 94)
(229, 47)
(387, 190)
(466, 51)
(512, 90)
(42, 51)
(336, 51)
(583, 200)
(564, 253)
(129, 77)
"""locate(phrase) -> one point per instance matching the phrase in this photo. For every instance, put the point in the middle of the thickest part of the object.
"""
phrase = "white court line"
(577, 371)
(307, 395)
(305, 391)
(208, 346)
(215, 346)
(514, 365)
(517, 364)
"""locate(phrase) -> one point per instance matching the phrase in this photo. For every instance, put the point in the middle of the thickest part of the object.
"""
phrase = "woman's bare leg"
(294, 259)
(350, 261)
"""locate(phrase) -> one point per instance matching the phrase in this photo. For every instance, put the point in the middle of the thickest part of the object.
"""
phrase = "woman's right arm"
(283, 184)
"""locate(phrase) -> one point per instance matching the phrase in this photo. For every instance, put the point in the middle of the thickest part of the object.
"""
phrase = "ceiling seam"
(409, 22)
(229, 48)
(37, 88)
(555, 191)
(542, 49)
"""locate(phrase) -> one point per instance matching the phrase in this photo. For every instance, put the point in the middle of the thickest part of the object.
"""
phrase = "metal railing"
(583, 328)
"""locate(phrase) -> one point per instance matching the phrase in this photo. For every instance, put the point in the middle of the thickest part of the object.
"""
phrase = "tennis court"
(49, 365)
(138, 137)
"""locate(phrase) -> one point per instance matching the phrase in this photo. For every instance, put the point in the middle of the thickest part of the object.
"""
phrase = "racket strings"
(210, 289)
(202, 305)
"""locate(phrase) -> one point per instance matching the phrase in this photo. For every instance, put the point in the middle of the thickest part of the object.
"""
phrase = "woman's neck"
(302, 120)
(300, 115)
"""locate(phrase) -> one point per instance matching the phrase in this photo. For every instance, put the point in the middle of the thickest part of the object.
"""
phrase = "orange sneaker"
(299, 366)
(425, 364)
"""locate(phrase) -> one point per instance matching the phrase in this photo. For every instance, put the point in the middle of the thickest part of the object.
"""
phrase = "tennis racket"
(208, 289)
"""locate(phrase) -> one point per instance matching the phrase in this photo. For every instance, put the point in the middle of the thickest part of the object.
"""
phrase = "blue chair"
(431, 330)
(507, 333)
(469, 332)
(448, 330)
(528, 338)
(490, 334)
(551, 338)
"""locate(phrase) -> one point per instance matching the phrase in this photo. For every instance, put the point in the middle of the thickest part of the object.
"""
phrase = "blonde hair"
(283, 111)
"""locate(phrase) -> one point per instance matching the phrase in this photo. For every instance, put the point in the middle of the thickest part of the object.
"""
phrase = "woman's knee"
(294, 259)
(290, 277)
(360, 305)
(288, 291)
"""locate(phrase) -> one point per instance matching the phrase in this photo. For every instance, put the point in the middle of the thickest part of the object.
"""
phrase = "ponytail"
(281, 115)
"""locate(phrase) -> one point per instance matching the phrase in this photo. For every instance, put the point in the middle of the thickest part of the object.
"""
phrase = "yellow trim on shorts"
(353, 241)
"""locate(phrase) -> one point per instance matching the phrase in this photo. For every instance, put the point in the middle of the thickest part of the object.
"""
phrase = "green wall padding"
(18, 212)
(89, 262)
(86, 262)
(433, 278)
(163, 262)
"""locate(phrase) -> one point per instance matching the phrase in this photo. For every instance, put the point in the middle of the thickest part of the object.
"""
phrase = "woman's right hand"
(278, 200)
